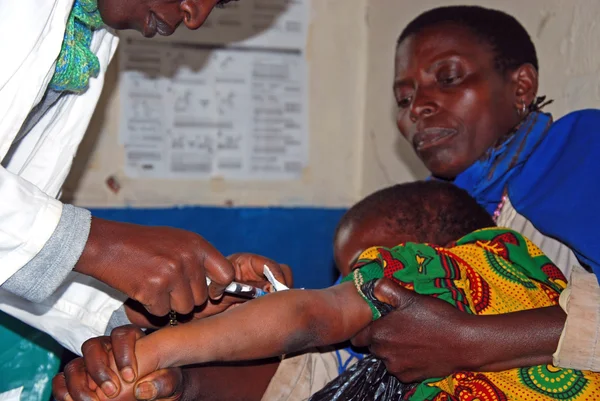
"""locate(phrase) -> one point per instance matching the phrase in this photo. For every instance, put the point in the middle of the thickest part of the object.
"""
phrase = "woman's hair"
(508, 39)
(435, 212)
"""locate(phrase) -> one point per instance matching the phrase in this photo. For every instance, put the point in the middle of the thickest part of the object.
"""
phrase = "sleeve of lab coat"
(81, 308)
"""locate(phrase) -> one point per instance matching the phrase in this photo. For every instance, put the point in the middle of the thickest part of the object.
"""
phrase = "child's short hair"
(434, 212)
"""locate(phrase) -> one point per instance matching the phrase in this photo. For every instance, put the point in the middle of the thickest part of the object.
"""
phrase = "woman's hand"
(426, 337)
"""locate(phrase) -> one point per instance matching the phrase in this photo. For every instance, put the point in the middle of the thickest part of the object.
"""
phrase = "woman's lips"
(431, 137)
(156, 25)
(163, 28)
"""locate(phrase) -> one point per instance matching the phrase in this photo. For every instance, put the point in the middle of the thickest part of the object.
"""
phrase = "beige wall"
(354, 145)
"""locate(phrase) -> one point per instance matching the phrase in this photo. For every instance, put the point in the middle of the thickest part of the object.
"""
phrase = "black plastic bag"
(367, 380)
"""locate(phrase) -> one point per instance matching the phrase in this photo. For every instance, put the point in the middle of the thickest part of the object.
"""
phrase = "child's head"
(433, 212)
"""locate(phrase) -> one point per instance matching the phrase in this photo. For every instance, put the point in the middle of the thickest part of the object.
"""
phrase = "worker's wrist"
(139, 316)
(95, 247)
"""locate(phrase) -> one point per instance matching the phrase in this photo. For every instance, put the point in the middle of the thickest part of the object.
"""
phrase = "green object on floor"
(28, 358)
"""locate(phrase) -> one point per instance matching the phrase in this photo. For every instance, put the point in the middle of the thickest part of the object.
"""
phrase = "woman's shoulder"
(558, 171)
(556, 188)
(572, 136)
(578, 121)
(563, 161)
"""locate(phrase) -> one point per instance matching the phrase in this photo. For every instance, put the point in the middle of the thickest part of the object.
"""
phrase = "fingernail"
(127, 374)
(109, 388)
(145, 391)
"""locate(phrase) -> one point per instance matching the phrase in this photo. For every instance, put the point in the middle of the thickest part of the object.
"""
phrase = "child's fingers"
(77, 382)
(96, 357)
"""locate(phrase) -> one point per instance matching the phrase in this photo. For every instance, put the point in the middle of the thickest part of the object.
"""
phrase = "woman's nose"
(422, 106)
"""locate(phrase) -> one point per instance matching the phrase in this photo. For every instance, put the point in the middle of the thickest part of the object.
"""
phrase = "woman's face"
(452, 103)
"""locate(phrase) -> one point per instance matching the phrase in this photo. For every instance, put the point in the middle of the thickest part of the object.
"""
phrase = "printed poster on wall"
(228, 100)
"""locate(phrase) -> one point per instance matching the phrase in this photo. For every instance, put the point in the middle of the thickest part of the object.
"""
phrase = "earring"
(523, 110)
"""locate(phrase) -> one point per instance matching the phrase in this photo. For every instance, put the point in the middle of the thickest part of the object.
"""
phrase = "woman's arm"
(426, 337)
(276, 324)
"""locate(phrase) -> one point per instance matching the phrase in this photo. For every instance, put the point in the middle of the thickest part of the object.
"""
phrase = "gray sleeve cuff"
(118, 318)
(48, 269)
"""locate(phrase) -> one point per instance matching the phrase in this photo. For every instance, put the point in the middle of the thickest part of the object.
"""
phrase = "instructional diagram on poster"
(228, 100)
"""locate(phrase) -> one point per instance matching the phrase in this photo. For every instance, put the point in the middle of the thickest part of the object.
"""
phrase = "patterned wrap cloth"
(488, 272)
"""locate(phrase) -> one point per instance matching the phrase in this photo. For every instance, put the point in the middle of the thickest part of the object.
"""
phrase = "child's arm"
(274, 325)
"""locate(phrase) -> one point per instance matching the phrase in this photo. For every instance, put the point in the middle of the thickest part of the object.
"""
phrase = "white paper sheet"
(11, 395)
(197, 109)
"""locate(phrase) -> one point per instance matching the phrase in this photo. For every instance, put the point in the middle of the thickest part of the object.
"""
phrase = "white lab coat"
(32, 33)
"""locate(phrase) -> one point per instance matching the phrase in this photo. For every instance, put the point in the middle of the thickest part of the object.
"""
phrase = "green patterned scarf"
(76, 63)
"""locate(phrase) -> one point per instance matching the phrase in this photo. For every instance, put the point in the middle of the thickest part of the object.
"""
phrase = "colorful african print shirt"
(487, 272)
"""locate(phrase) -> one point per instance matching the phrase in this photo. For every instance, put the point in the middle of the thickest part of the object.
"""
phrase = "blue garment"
(487, 178)
(551, 174)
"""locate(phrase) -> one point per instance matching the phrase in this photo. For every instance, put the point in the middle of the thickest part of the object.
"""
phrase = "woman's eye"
(404, 102)
(448, 80)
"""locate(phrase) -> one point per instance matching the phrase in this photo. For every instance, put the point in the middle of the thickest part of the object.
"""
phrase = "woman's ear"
(525, 79)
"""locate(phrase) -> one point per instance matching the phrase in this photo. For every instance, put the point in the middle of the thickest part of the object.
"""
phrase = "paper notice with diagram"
(228, 100)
